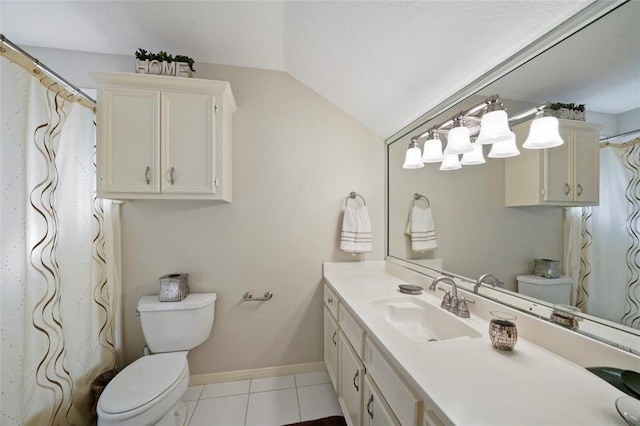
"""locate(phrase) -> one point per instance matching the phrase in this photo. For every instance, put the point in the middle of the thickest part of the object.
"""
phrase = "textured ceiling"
(383, 62)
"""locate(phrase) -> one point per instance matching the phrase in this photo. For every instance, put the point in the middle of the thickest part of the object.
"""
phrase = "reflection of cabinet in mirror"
(567, 175)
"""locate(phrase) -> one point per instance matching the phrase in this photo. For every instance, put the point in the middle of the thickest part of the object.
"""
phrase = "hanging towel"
(356, 230)
(421, 229)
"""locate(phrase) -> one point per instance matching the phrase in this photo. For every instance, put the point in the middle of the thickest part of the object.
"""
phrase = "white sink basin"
(418, 320)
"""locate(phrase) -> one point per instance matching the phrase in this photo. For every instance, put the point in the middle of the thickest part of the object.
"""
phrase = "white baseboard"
(231, 376)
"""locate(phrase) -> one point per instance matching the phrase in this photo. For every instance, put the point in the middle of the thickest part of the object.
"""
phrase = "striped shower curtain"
(602, 250)
(60, 257)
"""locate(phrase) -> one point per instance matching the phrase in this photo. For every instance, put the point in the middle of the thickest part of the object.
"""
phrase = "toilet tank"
(176, 326)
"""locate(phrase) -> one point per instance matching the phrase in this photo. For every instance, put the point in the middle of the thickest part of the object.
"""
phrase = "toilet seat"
(142, 384)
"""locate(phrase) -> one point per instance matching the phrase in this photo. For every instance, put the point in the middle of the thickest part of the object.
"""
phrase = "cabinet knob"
(579, 190)
(172, 180)
(567, 189)
(369, 406)
(147, 175)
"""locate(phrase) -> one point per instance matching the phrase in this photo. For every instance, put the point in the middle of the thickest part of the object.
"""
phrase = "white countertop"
(467, 379)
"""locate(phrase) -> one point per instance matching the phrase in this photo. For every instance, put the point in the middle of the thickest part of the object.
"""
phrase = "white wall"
(295, 158)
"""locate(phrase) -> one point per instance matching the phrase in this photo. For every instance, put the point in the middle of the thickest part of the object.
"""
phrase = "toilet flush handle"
(137, 313)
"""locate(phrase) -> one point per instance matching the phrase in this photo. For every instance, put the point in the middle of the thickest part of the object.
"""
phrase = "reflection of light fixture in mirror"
(413, 159)
(432, 151)
(450, 162)
(504, 149)
(458, 139)
(473, 157)
(494, 125)
(543, 133)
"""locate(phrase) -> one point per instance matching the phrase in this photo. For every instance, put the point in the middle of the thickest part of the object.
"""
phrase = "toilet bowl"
(149, 391)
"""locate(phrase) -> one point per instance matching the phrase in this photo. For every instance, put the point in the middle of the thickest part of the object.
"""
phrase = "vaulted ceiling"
(383, 62)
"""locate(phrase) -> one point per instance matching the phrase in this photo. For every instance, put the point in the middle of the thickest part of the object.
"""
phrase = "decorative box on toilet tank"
(174, 287)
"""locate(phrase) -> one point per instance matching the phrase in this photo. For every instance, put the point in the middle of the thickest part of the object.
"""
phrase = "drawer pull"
(334, 338)
(355, 384)
(329, 300)
(172, 181)
(579, 190)
(567, 189)
(369, 406)
(147, 177)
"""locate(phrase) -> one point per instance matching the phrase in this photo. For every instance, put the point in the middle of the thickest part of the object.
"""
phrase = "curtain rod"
(605, 139)
(75, 91)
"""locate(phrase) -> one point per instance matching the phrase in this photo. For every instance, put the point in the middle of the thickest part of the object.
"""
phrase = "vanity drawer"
(352, 331)
(404, 403)
(331, 300)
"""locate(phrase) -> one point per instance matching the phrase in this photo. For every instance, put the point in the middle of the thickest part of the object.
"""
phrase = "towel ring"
(417, 197)
(353, 196)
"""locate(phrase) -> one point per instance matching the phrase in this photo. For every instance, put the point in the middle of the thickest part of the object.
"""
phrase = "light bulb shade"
(494, 127)
(413, 159)
(505, 149)
(459, 141)
(473, 157)
(432, 152)
(543, 133)
(450, 162)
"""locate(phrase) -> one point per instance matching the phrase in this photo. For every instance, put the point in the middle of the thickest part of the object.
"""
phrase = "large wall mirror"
(598, 66)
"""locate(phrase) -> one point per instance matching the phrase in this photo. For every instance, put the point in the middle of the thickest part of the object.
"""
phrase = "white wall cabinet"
(567, 175)
(163, 137)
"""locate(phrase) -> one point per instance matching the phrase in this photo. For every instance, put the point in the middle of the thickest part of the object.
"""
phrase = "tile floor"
(272, 401)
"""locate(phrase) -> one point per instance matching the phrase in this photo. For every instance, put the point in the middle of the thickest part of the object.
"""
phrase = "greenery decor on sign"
(558, 105)
(162, 63)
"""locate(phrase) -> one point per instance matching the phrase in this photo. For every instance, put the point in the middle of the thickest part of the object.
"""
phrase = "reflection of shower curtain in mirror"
(60, 257)
(602, 244)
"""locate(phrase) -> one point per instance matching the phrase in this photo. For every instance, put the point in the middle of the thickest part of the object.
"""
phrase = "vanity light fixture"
(459, 138)
(494, 125)
(494, 130)
(504, 149)
(450, 162)
(543, 133)
(432, 151)
(413, 159)
(474, 157)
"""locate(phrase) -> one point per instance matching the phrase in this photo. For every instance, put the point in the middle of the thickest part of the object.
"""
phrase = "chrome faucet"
(483, 278)
(450, 301)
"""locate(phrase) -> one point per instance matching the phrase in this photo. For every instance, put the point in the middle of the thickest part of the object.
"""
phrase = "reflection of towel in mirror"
(421, 229)
(356, 230)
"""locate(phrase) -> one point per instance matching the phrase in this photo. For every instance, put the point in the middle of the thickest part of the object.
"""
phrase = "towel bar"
(353, 195)
(417, 196)
(248, 297)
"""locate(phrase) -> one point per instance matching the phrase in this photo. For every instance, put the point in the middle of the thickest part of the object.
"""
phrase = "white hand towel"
(421, 229)
(356, 230)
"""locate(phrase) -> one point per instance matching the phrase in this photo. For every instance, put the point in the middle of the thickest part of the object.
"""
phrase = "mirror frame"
(600, 329)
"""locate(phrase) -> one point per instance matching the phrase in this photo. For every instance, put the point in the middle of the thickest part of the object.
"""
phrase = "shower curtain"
(60, 278)
(602, 250)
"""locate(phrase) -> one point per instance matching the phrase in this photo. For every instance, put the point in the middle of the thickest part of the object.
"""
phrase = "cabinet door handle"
(334, 338)
(329, 300)
(355, 384)
(579, 190)
(147, 175)
(369, 406)
(567, 189)
(172, 170)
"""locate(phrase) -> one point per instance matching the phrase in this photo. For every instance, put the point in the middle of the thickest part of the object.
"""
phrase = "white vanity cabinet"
(567, 175)
(376, 411)
(331, 346)
(350, 381)
(163, 137)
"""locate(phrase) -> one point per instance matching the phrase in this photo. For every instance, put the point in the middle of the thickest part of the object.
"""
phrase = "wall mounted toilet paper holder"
(248, 297)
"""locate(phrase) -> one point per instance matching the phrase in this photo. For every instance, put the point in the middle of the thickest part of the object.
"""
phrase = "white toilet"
(150, 390)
